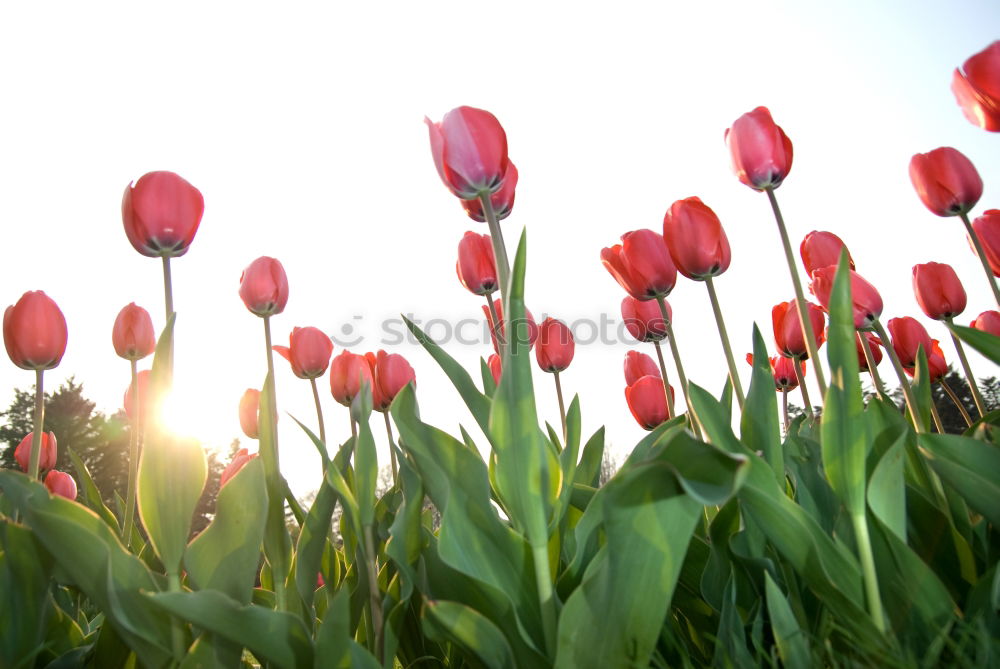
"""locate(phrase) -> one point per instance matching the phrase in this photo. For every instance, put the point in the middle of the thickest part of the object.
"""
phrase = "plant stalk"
(801, 379)
(278, 565)
(543, 580)
(36, 435)
(868, 570)
(176, 630)
(133, 459)
(958, 402)
(319, 415)
(681, 376)
(784, 408)
(969, 377)
(734, 375)
(562, 406)
(904, 384)
(375, 601)
(392, 448)
(937, 417)
(666, 382)
(872, 366)
(499, 249)
(168, 288)
(495, 332)
(982, 256)
(800, 300)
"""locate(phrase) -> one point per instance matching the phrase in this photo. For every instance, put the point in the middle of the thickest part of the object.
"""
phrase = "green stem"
(375, 600)
(392, 448)
(800, 300)
(562, 406)
(681, 376)
(36, 435)
(801, 379)
(937, 417)
(133, 459)
(168, 288)
(543, 579)
(958, 403)
(176, 629)
(868, 570)
(666, 382)
(982, 256)
(354, 426)
(319, 417)
(495, 330)
(969, 378)
(872, 366)
(904, 384)
(499, 249)
(784, 408)
(278, 562)
(734, 375)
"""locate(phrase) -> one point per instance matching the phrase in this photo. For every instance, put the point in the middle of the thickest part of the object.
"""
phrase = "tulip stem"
(392, 448)
(543, 579)
(801, 380)
(969, 378)
(133, 459)
(911, 402)
(666, 382)
(499, 249)
(784, 408)
(176, 631)
(982, 256)
(354, 426)
(36, 435)
(278, 561)
(562, 406)
(495, 332)
(375, 601)
(860, 523)
(733, 374)
(319, 417)
(937, 417)
(168, 287)
(800, 300)
(872, 366)
(681, 376)
(958, 403)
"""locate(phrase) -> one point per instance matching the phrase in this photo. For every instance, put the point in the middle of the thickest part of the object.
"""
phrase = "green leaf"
(588, 470)
(921, 387)
(272, 636)
(335, 648)
(844, 431)
(984, 342)
(489, 385)
(91, 494)
(226, 555)
(277, 543)
(365, 456)
(568, 462)
(793, 646)
(313, 541)
(456, 623)
(970, 466)
(759, 422)
(24, 579)
(887, 488)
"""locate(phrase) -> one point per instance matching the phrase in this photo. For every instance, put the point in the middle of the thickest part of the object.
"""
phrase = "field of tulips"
(858, 533)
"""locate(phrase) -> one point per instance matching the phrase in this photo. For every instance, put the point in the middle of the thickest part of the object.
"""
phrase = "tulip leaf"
(489, 384)
(313, 541)
(24, 579)
(365, 456)
(277, 543)
(91, 494)
(921, 387)
(759, 421)
(276, 637)
(588, 470)
(984, 342)
(454, 622)
(970, 466)
(226, 555)
(887, 487)
(793, 646)
(335, 647)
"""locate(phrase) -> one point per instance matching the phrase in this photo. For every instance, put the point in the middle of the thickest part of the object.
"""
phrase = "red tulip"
(907, 336)
(783, 370)
(760, 150)
(988, 321)
(977, 89)
(34, 331)
(143, 381)
(502, 200)
(643, 319)
(132, 334)
(821, 249)
(47, 456)
(239, 460)
(867, 301)
(788, 328)
(495, 367)
(498, 305)
(264, 287)
(946, 181)
(555, 347)
(347, 372)
(250, 413)
(390, 374)
(641, 264)
(477, 266)
(161, 212)
(937, 366)
(696, 240)
(647, 402)
(938, 290)
(308, 351)
(987, 228)
(469, 148)
(873, 343)
(61, 483)
(638, 365)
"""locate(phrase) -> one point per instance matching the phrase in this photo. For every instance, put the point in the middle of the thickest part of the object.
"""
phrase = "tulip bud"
(132, 334)
(47, 456)
(308, 351)
(502, 200)
(696, 240)
(476, 266)
(641, 264)
(34, 332)
(238, 462)
(61, 483)
(469, 147)
(161, 212)
(555, 347)
(946, 181)
(250, 413)
(783, 371)
(495, 367)
(987, 229)
(532, 327)
(977, 89)
(873, 343)
(644, 320)
(821, 249)
(788, 328)
(347, 373)
(937, 366)
(939, 292)
(867, 301)
(638, 365)
(264, 287)
(142, 380)
(988, 321)
(761, 152)
(390, 374)
(647, 402)
(908, 335)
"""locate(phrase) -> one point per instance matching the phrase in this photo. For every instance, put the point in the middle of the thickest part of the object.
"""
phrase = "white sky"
(302, 126)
